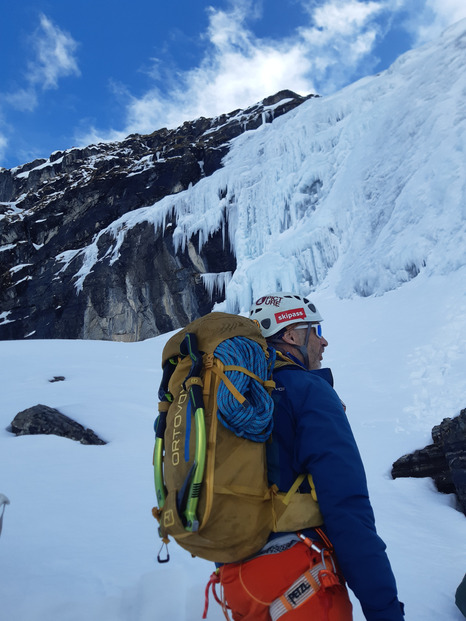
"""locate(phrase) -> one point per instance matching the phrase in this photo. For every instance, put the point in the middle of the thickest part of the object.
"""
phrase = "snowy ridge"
(359, 191)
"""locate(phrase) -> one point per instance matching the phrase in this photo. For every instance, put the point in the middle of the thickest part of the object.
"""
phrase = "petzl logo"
(298, 592)
(291, 315)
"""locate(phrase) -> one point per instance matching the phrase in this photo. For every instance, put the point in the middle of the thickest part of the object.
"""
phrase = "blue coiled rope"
(252, 420)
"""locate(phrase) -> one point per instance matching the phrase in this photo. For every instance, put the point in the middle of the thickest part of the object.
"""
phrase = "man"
(295, 576)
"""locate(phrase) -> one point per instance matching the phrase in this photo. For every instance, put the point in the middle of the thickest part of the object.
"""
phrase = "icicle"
(216, 282)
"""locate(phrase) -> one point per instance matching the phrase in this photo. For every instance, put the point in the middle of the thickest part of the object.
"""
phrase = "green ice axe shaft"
(192, 523)
(158, 465)
(159, 427)
(189, 348)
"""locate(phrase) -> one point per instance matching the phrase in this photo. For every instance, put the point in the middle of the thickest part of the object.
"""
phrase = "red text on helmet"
(295, 313)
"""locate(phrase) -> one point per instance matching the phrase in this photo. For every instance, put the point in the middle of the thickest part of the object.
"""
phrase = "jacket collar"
(325, 373)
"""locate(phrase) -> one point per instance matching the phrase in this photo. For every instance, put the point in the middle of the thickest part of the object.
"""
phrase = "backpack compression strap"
(219, 369)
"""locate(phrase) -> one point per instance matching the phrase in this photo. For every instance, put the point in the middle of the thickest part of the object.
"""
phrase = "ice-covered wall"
(359, 191)
(216, 282)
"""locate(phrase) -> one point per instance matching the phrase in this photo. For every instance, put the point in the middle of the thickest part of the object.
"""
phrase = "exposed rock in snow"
(444, 460)
(42, 419)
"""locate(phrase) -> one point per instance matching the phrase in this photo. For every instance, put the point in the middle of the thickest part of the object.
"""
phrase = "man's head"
(291, 324)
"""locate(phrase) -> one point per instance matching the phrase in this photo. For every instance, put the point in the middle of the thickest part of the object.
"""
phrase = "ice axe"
(4, 501)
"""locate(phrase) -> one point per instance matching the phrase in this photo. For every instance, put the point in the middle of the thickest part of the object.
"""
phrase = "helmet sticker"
(290, 315)
(269, 300)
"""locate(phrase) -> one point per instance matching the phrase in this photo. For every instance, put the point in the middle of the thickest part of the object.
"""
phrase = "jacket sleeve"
(325, 448)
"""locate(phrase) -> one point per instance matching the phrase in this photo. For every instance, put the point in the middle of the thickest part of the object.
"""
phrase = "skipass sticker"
(289, 315)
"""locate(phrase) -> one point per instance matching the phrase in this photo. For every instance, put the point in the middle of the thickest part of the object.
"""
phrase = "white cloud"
(55, 55)
(334, 44)
(3, 146)
(239, 69)
(23, 99)
(425, 20)
(344, 18)
(54, 58)
(447, 11)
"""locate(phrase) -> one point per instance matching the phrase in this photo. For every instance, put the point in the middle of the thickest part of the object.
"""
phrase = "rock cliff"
(444, 460)
(50, 210)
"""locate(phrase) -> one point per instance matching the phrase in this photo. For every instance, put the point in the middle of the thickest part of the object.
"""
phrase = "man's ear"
(289, 338)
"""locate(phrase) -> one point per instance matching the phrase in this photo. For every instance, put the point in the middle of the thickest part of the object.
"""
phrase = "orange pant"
(250, 587)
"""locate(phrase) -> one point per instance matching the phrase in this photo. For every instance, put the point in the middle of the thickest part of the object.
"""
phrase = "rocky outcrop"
(59, 219)
(42, 419)
(444, 460)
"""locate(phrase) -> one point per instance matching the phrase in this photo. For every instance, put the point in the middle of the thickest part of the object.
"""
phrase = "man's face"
(315, 345)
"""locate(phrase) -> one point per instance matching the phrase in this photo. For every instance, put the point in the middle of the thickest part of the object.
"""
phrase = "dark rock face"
(41, 419)
(444, 460)
(51, 209)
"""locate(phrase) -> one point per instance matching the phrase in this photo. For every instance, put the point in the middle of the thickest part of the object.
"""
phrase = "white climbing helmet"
(278, 310)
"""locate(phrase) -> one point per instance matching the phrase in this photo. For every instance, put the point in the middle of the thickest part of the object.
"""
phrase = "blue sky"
(77, 73)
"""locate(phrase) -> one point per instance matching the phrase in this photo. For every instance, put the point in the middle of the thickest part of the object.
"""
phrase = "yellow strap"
(231, 387)
(269, 385)
(293, 488)
(207, 380)
(282, 360)
(208, 360)
(219, 370)
(156, 512)
(164, 405)
(235, 367)
(196, 381)
(312, 486)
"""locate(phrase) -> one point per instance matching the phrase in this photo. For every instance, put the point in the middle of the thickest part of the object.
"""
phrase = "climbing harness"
(251, 586)
(322, 575)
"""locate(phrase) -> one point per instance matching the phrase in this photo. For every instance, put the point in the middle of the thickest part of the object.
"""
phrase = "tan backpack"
(210, 471)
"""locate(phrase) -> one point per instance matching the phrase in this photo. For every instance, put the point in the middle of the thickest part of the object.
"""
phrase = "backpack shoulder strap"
(282, 361)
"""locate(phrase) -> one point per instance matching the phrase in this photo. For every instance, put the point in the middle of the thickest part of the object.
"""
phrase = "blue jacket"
(312, 435)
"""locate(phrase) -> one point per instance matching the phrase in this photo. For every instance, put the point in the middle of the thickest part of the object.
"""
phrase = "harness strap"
(304, 587)
(214, 580)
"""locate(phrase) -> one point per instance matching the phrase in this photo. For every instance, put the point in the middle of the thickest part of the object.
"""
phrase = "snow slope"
(79, 541)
